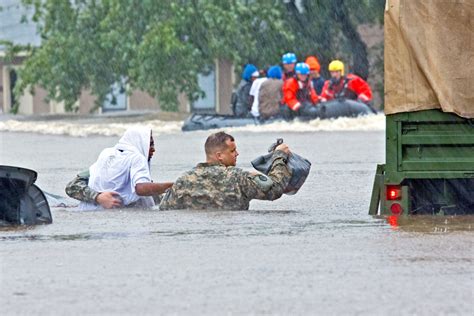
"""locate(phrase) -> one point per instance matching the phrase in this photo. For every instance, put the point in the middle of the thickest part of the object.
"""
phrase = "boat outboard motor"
(21, 201)
(298, 165)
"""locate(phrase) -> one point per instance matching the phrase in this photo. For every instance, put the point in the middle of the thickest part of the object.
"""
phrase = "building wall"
(137, 101)
(40, 106)
(2, 93)
(184, 105)
(5, 93)
(86, 102)
(224, 86)
(140, 100)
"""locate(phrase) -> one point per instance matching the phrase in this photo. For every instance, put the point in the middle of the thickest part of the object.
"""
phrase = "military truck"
(429, 107)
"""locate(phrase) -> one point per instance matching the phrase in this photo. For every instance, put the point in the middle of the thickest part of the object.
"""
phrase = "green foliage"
(162, 46)
(157, 46)
(328, 29)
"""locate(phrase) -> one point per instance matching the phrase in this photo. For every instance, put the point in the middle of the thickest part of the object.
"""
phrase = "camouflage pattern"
(215, 186)
(78, 188)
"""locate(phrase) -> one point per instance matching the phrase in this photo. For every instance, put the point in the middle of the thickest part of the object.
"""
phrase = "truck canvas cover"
(429, 56)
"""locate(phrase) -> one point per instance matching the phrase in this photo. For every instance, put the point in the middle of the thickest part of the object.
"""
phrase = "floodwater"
(317, 252)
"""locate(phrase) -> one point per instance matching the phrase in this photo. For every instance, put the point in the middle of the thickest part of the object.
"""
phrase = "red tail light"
(394, 192)
(396, 209)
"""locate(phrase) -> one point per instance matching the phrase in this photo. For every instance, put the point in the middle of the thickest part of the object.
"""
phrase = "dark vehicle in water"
(429, 106)
(21, 201)
(327, 110)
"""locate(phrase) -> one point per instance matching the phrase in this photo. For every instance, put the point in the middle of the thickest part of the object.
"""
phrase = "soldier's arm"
(78, 188)
(255, 187)
(170, 199)
(151, 188)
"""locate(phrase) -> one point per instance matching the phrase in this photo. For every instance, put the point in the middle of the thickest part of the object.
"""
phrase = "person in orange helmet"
(316, 78)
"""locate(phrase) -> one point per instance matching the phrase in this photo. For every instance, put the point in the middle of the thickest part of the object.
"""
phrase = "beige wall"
(224, 86)
(86, 102)
(1, 88)
(138, 100)
(29, 103)
(5, 95)
(56, 107)
(4, 88)
(39, 104)
(184, 105)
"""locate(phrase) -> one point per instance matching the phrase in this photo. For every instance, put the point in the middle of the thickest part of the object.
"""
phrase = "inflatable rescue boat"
(326, 110)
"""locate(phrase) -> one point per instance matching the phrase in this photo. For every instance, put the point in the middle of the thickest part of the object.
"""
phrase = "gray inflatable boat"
(21, 201)
(327, 110)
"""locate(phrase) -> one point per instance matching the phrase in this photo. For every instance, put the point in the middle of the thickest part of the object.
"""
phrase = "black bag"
(298, 165)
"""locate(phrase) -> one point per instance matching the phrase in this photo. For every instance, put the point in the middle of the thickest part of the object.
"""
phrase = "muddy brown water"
(317, 252)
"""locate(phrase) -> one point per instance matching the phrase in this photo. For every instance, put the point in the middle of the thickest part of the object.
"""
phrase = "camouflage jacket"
(78, 188)
(215, 186)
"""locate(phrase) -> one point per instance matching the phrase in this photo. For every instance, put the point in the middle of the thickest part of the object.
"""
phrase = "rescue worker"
(316, 78)
(299, 96)
(270, 95)
(218, 184)
(241, 101)
(120, 176)
(349, 87)
(289, 63)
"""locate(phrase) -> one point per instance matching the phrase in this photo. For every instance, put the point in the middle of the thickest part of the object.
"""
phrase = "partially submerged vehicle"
(21, 201)
(429, 107)
(327, 110)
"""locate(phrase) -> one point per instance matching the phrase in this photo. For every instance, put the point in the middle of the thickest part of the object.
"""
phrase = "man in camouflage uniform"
(218, 184)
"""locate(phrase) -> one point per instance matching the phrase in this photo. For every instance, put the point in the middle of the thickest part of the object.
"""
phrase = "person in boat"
(299, 96)
(219, 184)
(315, 76)
(241, 101)
(270, 94)
(348, 86)
(254, 93)
(289, 61)
(120, 176)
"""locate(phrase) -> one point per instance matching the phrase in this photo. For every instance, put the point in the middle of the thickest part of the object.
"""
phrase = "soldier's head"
(220, 147)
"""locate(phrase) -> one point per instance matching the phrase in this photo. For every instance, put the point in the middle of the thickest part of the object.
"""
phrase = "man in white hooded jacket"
(122, 171)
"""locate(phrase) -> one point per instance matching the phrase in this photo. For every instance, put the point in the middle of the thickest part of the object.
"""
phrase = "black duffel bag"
(298, 165)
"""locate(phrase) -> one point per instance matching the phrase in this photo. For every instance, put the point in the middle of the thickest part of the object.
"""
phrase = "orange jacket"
(351, 87)
(295, 92)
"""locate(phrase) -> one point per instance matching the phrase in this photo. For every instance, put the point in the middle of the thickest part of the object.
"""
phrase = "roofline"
(19, 54)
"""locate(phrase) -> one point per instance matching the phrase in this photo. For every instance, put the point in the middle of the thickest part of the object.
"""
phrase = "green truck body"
(429, 165)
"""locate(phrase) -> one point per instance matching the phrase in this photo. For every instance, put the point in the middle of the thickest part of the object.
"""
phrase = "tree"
(157, 46)
(329, 29)
(161, 46)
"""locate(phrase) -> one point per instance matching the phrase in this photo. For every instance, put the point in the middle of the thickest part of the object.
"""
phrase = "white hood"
(121, 167)
(136, 139)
